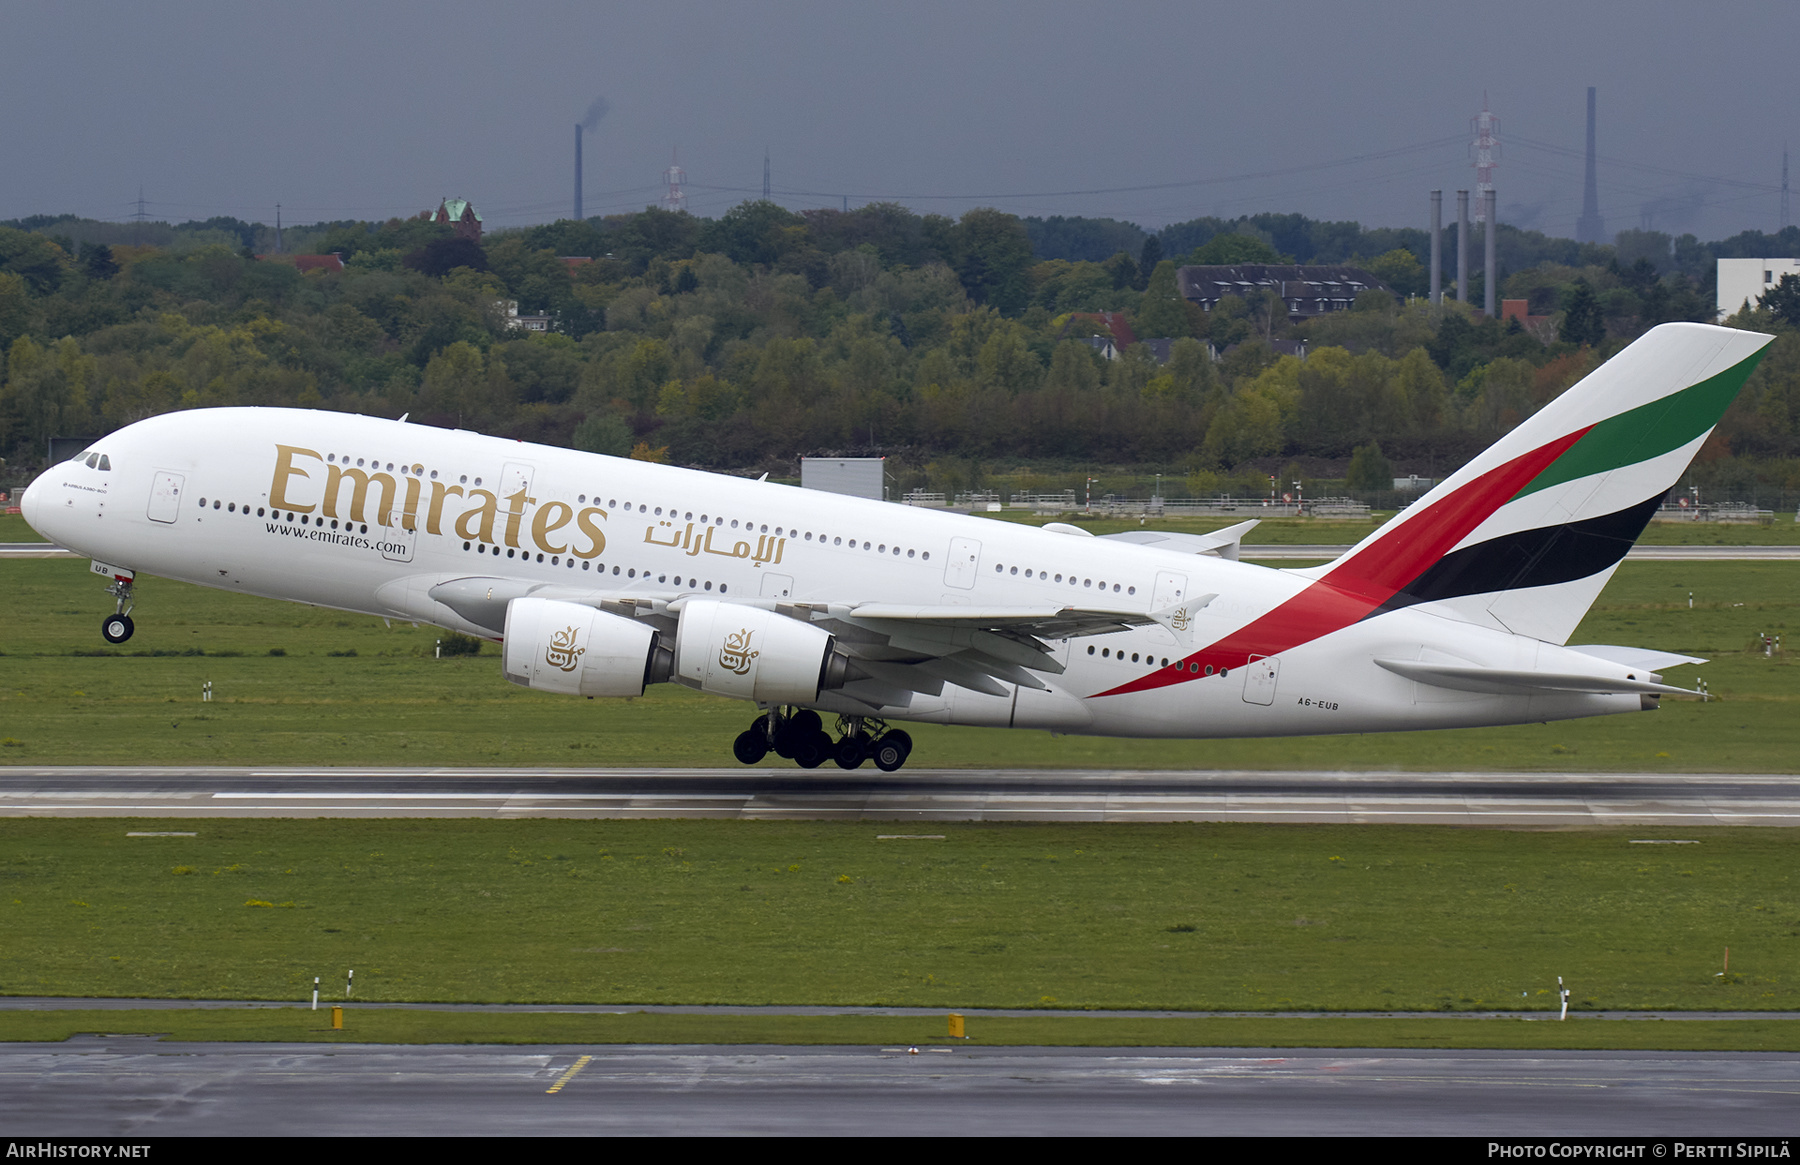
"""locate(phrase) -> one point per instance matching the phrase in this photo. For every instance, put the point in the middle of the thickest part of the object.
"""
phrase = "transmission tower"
(1486, 148)
(137, 229)
(674, 199)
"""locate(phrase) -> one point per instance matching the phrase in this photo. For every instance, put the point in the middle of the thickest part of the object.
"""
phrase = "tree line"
(960, 347)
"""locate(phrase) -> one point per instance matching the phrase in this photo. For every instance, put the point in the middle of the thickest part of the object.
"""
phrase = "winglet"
(1180, 619)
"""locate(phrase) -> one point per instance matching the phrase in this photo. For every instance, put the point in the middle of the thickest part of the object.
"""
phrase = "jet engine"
(752, 654)
(578, 651)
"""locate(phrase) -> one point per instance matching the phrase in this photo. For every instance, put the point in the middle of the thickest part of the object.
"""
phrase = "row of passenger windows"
(1030, 572)
(674, 513)
(1109, 653)
(375, 463)
(234, 508)
(597, 567)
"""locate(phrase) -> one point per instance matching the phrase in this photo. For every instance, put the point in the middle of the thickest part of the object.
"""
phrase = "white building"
(1747, 280)
(860, 477)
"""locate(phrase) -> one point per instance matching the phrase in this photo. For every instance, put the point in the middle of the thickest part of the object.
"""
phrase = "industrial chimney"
(578, 215)
(1590, 228)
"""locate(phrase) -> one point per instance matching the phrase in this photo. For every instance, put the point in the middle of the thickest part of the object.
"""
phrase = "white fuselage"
(264, 501)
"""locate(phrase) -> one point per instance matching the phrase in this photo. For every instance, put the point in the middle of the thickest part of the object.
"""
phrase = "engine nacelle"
(752, 654)
(576, 650)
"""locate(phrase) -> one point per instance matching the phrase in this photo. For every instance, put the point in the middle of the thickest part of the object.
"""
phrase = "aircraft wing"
(900, 648)
(919, 648)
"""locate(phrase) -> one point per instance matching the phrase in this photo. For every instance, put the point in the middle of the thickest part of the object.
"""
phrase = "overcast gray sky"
(366, 110)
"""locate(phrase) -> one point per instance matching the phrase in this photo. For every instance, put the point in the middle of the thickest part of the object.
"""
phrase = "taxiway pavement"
(917, 796)
(134, 1086)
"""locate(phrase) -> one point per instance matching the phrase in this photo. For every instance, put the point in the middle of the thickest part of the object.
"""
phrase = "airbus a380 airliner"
(602, 576)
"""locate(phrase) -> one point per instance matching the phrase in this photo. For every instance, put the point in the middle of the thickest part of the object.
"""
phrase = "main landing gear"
(117, 627)
(800, 736)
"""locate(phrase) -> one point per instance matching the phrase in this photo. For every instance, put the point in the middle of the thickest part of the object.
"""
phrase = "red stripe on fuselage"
(1368, 578)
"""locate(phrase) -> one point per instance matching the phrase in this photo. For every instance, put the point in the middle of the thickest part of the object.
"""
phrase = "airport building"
(1744, 281)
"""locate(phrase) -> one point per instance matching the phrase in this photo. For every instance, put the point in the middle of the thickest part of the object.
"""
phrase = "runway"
(1543, 800)
(133, 1086)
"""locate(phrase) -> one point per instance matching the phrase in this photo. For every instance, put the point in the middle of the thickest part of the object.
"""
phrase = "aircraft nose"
(31, 502)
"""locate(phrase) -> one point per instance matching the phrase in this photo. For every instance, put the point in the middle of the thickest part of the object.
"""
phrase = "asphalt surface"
(915, 796)
(133, 1086)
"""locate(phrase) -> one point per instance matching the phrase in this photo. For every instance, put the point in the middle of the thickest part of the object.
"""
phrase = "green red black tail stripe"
(1542, 557)
(1368, 578)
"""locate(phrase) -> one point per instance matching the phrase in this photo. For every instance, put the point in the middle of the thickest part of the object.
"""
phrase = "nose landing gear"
(117, 627)
(800, 737)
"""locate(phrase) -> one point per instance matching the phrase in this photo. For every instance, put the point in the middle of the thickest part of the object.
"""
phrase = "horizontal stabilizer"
(1510, 682)
(1224, 543)
(1637, 657)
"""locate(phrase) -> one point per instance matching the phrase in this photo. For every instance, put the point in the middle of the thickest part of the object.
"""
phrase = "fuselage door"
(165, 496)
(1171, 589)
(777, 586)
(397, 542)
(1259, 679)
(965, 556)
(515, 478)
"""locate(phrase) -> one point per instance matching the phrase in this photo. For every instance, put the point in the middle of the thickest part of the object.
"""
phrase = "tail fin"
(1524, 537)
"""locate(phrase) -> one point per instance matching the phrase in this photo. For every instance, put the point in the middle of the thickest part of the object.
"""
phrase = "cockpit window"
(93, 460)
(105, 463)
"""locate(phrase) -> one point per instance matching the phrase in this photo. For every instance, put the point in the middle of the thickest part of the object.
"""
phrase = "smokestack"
(1462, 246)
(578, 215)
(1591, 228)
(1490, 274)
(1437, 247)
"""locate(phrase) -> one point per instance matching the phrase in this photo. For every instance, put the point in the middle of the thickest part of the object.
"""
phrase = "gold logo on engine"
(736, 655)
(562, 652)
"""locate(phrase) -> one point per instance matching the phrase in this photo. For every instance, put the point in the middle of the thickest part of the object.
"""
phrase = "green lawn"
(1190, 917)
(348, 689)
(362, 1026)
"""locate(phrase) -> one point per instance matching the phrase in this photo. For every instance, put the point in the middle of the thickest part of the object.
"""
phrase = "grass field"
(1186, 917)
(301, 1025)
(300, 685)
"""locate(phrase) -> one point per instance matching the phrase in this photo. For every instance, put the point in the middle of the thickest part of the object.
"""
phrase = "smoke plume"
(595, 112)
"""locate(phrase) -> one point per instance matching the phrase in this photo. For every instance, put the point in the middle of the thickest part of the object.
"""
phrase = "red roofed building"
(1118, 337)
(460, 214)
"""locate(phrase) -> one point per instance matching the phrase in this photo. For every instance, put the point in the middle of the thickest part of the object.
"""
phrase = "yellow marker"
(568, 1075)
(956, 1027)
(337, 1019)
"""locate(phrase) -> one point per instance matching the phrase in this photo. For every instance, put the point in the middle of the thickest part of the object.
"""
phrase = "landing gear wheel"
(116, 628)
(813, 750)
(750, 746)
(852, 750)
(892, 750)
(786, 739)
